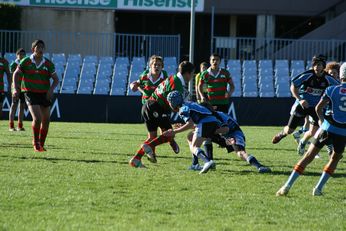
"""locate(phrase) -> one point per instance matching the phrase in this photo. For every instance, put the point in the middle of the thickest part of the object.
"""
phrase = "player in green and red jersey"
(150, 79)
(4, 68)
(217, 80)
(156, 111)
(20, 54)
(38, 92)
(147, 83)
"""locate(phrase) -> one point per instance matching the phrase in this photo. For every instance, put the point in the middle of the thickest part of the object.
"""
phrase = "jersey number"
(342, 107)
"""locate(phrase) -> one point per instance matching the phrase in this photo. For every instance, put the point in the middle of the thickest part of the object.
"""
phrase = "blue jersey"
(311, 87)
(229, 121)
(335, 120)
(197, 113)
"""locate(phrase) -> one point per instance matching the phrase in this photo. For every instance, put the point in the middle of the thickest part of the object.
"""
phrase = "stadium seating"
(106, 75)
(10, 57)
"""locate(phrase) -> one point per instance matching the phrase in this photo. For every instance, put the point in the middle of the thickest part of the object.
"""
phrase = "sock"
(140, 152)
(253, 161)
(159, 140)
(43, 135)
(201, 154)
(194, 159)
(20, 125)
(208, 147)
(11, 124)
(323, 180)
(297, 171)
(36, 135)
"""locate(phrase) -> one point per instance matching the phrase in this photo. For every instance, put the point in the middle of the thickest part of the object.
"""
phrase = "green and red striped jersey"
(148, 85)
(3, 69)
(174, 82)
(36, 78)
(216, 86)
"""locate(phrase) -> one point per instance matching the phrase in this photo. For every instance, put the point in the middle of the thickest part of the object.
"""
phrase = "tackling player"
(332, 131)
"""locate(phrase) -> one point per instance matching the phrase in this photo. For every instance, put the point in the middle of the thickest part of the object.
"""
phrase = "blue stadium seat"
(10, 57)
(90, 59)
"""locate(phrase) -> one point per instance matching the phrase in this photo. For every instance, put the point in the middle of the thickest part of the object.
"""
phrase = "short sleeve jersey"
(311, 87)
(335, 121)
(148, 85)
(216, 85)
(197, 113)
(170, 84)
(3, 69)
(36, 78)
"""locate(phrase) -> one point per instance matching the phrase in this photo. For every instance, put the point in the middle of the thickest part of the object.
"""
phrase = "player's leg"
(12, 113)
(307, 135)
(297, 115)
(45, 112)
(21, 113)
(195, 164)
(302, 130)
(339, 148)
(150, 117)
(203, 131)
(35, 112)
(313, 150)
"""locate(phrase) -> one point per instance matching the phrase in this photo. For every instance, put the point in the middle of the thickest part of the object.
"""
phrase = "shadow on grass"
(55, 159)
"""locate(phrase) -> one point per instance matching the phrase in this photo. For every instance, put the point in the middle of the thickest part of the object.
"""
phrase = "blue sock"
(323, 180)
(253, 161)
(201, 154)
(194, 160)
(293, 177)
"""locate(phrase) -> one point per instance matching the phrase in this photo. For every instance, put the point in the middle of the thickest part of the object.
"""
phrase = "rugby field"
(84, 182)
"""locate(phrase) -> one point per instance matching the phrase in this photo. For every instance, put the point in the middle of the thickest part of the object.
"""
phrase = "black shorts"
(298, 113)
(2, 96)
(20, 99)
(206, 130)
(155, 116)
(323, 137)
(32, 98)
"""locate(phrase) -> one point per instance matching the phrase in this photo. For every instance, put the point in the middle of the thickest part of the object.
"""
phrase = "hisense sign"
(160, 5)
(147, 5)
(76, 3)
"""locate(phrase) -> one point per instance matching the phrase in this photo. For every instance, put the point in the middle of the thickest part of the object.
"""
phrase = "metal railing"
(100, 44)
(258, 48)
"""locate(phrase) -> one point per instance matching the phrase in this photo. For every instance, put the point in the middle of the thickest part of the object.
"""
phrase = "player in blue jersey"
(332, 131)
(234, 140)
(204, 122)
(307, 88)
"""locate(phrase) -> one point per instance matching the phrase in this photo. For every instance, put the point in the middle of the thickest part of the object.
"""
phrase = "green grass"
(83, 182)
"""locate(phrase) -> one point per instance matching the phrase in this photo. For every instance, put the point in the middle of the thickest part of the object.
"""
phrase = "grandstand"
(106, 75)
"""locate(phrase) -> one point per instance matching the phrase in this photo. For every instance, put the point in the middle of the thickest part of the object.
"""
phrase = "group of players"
(318, 95)
(28, 80)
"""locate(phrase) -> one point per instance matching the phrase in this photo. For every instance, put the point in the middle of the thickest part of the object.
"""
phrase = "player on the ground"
(156, 111)
(38, 92)
(4, 68)
(332, 131)
(20, 54)
(147, 83)
(217, 80)
(307, 88)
